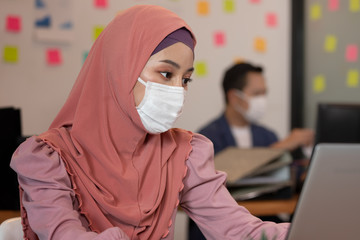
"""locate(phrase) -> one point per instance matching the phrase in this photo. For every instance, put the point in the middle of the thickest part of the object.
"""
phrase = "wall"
(332, 41)
(40, 90)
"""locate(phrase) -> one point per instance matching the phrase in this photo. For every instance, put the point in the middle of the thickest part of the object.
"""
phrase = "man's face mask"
(257, 106)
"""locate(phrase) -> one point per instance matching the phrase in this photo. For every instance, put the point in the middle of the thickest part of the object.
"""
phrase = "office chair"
(11, 229)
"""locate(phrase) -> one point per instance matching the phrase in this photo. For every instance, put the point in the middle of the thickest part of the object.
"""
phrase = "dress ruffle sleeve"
(48, 198)
(207, 201)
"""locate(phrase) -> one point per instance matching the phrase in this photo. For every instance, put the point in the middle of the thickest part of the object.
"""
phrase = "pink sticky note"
(101, 3)
(271, 19)
(255, 1)
(53, 56)
(13, 23)
(219, 38)
(351, 54)
(333, 5)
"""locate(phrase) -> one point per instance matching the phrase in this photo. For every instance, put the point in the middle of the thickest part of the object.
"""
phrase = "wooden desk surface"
(270, 207)
(6, 214)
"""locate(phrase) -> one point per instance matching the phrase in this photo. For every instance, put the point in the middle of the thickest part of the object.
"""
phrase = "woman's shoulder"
(34, 156)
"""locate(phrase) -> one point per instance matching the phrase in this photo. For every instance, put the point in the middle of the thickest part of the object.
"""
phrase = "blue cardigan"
(218, 131)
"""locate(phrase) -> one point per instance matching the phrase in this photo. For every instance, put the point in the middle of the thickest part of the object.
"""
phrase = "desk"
(6, 214)
(270, 207)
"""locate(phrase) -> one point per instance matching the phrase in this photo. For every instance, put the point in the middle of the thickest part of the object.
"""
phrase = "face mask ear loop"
(142, 81)
(241, 95)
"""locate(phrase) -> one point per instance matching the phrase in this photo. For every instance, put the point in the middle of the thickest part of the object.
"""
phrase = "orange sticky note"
(319, 84)
(351, 54)
(271, 19)
(219, 38)
(203, 8)
(315, 11)
(97, 31)
(333, 5)
(200, 68)
(13, 23)
(352, 78)
(10, 54)
(260, 44)
(101, 3)
(238, 60)
(53, 56)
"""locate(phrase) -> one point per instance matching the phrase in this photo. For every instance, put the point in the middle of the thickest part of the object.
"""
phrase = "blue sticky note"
(39, 4)
(66, 25)
(43, 22)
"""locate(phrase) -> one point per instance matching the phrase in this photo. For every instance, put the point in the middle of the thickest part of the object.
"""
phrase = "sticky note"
(43, 22)
(203, 8)
(271, 19)
(354, 5)
(238, 60)
(219, 38)
(101, 3)
(97, 31)
(315, 11)
(10, 54)
(13, 23)
(260, 44)
(255, 1)
(229, 6)
(39, 4)
(333, 5)
(200, 68)
(53, 56)
(330, 43)
(319, 84)
(351, 54)
(85, 54)
(352, 78)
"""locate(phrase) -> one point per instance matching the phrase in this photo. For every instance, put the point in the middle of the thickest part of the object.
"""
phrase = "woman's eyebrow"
(175, 64)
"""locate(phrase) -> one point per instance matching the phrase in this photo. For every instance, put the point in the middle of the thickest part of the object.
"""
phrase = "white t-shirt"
(243, 137)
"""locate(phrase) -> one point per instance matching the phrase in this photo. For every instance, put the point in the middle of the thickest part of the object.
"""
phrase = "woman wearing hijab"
(110, 166)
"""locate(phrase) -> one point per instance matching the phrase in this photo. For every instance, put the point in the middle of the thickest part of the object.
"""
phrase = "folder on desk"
(256, 171)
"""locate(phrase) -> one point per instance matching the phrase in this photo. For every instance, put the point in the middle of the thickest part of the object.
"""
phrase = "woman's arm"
(206, 200)
(48, 198)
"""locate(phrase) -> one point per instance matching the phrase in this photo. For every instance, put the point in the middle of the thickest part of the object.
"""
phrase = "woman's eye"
(166, 74)
(186, 80)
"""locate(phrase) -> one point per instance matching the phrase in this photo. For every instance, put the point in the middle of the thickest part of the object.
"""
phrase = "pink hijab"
(122, 176)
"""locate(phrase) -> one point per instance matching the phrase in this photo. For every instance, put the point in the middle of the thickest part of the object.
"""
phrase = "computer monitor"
(338, 123)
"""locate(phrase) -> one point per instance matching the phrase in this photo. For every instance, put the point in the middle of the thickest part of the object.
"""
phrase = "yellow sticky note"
(352, 78)
(10, 54)
(330, 43)
(97, 31)
(315, 11)
(319, 84)
(200, 68)
(354, 5)
(203, 8)
(260, 44)
(229, 6)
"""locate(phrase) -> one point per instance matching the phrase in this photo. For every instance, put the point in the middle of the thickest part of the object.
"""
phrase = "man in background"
(245, 92)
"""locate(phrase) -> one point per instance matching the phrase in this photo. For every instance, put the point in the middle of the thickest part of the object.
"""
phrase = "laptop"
(329, 204)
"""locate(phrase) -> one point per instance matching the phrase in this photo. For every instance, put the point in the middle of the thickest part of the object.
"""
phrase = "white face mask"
(257, 107)
(161, 106)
